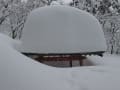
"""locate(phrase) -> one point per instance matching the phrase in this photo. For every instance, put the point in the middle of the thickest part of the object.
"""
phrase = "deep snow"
(18, 72)
(62, 29)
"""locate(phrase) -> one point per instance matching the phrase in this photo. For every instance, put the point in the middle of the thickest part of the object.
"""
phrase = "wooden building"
(62, 33)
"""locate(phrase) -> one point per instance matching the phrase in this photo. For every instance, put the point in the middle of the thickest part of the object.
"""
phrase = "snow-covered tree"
(13, 14)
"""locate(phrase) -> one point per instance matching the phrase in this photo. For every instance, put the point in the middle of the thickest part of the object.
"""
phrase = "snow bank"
(107, 60)
(9, 41)
(62, 29)
(18, 72)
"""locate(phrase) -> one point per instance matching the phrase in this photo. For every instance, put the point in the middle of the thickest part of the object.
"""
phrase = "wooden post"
(70, 62)
(81, 62)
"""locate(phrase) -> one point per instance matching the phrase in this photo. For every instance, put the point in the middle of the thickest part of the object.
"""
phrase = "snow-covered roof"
(62, 29)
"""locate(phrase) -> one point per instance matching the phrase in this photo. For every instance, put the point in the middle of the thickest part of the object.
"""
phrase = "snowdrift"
(18, 72)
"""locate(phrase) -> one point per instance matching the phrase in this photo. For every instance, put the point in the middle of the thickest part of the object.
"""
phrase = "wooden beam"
(63, 56)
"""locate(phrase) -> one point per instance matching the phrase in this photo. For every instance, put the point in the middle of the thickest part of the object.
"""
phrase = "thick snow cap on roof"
(62, 29)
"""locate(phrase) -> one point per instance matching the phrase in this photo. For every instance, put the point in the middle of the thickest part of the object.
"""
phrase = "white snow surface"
(62, 29)
(18, 72)
(107, 60)
(9, 41)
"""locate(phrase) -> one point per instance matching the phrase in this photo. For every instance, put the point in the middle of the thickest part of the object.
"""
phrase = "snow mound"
(62, 29)
(106, 60)
(18, 72)
(9, 41)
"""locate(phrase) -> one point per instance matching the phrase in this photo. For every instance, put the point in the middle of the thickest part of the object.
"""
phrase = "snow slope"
(107, 60)
(18, 72)
(62, 29)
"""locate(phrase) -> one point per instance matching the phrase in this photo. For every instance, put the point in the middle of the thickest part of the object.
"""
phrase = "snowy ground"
(106, 60)
(18, 72)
